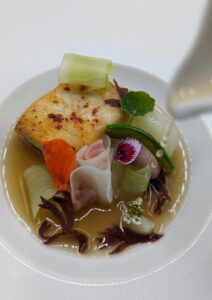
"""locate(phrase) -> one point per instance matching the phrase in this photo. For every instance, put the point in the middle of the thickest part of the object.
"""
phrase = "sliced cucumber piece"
(83, 70)
(135, 181)
(38, 182)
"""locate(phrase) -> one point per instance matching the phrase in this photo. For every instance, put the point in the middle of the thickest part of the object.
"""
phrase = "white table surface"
(153, 35)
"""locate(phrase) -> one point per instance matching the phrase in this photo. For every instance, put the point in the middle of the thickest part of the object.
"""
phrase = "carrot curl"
(60, 159)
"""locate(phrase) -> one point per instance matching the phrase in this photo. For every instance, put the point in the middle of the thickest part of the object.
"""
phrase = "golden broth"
(96, 218)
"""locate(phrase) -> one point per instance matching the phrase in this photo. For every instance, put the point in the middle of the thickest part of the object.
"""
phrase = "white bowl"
(141, 260)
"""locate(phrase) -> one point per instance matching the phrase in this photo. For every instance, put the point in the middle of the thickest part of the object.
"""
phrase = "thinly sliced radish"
(160, 125)
(146, 226)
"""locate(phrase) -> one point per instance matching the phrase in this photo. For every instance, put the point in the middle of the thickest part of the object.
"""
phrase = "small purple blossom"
(127, 150)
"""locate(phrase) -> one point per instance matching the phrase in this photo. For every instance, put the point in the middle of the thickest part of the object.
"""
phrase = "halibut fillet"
(76, 115)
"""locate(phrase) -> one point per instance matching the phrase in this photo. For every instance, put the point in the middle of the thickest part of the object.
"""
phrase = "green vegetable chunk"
(135, 181)
(83, 70)
(120, 131)
(137, 103)
(38, 182)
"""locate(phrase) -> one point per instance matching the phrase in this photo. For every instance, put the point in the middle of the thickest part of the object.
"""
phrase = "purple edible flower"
(127, 150)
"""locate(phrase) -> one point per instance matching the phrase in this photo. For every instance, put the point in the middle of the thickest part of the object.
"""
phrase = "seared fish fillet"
(76, 115)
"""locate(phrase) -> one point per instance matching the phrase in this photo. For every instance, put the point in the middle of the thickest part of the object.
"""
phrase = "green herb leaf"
(137, 103)
(135, 210)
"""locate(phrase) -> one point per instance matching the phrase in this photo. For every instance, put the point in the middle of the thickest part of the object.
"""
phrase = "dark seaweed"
(124, 237)
(121, 90)
(157, 187)
(61, 206)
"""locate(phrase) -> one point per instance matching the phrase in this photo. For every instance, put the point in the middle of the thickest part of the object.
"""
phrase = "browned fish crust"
(74, 114)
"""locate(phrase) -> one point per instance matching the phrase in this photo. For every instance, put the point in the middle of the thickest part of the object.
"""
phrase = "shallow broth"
(96, 218)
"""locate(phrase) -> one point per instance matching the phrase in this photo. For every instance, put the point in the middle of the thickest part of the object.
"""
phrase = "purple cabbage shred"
(121, 238)
(157, 186)
(61, 206)
(121, 90)
(113, 102)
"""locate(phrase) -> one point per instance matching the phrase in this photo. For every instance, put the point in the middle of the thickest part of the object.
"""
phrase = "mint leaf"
(137, 103)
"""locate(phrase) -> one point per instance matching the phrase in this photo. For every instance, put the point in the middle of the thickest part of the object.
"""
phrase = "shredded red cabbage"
(121, 90)
(113, 102)
(157, 186)
(122, 238)
(65, 218)
(82, 240)
(45, 226)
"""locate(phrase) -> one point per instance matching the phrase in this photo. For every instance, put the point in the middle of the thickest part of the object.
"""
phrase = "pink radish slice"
(95, 149)
(145, 157)
(91, 181)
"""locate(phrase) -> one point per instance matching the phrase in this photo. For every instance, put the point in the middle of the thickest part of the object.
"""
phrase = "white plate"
(129, 265)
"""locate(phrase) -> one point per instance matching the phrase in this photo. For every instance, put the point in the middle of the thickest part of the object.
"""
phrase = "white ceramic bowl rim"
(130, 265)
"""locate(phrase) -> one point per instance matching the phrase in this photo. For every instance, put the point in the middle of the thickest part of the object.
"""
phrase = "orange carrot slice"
(60, 159)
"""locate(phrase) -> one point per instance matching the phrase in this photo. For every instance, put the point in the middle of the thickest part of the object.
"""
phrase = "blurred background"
(152, 35)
